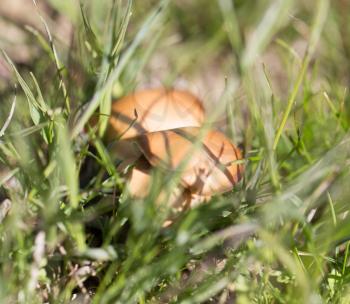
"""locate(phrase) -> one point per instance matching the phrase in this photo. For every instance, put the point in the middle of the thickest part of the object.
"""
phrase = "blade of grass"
(59, 66)
(289, 262)
(110, 59)
(40, 98)
(9, 117)
(319, 21)
(331, 207)
(273, 18)
(34, 106)
(231, 25)
(67, 164)
(145, 29)
(90, 34)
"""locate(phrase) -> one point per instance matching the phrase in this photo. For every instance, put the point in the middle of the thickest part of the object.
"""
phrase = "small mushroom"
(158, 128)
(209, 170)
(148, 111)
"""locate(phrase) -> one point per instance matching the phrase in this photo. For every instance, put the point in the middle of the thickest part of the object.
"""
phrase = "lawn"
(272, 75)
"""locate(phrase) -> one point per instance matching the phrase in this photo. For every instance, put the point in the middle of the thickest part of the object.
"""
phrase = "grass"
(273, 74)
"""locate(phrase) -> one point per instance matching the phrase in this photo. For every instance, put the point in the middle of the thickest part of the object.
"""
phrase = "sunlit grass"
(68, 229)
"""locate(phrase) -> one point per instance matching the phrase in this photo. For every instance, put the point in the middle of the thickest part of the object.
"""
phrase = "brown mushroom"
(148, 111)
(159, 128)
(209, 170)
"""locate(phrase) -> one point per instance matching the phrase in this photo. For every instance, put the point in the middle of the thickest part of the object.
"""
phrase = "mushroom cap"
(208, 170)
(154, 110)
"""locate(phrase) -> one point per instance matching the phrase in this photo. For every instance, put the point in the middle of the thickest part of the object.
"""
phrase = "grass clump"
(275, 75)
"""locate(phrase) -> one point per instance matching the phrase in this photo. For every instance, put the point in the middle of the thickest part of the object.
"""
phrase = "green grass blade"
(145, 30)
(320, 18)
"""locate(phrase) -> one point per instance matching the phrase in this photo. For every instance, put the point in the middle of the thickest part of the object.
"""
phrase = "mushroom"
(159, 128)
(211, 169)
(148, 111)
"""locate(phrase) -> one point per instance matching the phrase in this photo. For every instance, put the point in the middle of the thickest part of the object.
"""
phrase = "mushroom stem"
(139, 182)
